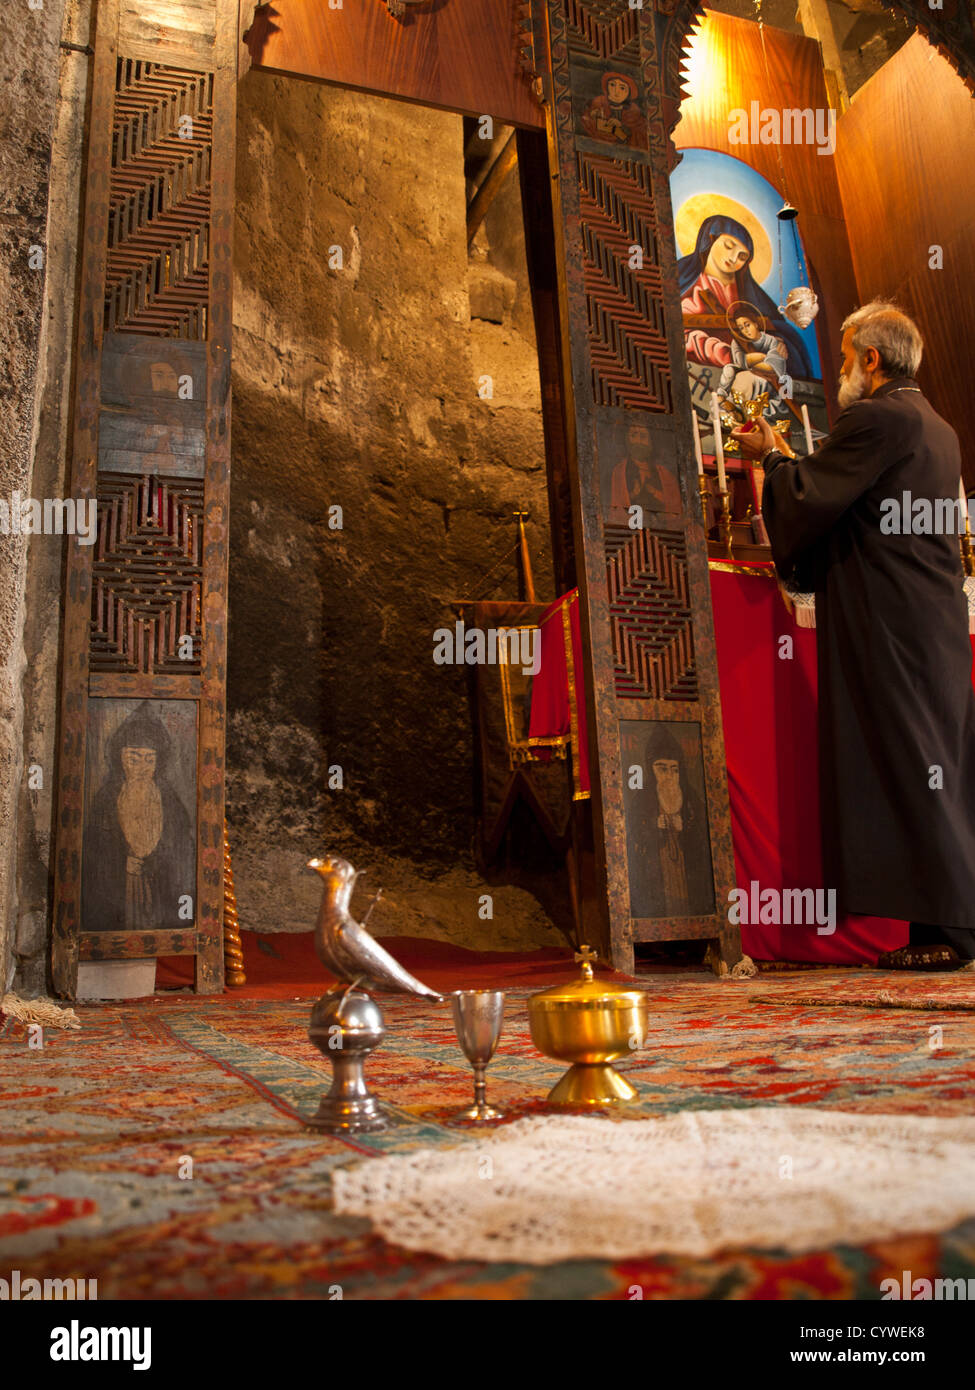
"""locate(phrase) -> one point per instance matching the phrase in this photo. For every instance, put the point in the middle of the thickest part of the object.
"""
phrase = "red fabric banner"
(553, 702)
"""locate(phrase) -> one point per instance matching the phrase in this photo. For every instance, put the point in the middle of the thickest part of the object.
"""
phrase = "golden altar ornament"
(590, 1024)
(740, 410)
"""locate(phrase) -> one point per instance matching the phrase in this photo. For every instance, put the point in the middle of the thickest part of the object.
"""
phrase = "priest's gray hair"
(897, 338)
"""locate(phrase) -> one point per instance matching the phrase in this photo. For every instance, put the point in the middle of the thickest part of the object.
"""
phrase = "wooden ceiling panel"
(458, 54)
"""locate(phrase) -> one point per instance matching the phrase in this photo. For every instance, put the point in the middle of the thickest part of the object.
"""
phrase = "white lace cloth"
(568, 1187)
(804, 606)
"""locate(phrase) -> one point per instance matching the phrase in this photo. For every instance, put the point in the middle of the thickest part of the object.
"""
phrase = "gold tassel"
(42, 1011)
(744, 969)
(233, 951)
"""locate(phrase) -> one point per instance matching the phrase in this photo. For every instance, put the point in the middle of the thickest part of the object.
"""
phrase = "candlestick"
(718, 443)
(967, 557)
(702, 487)
(808, 429)
(697, 442)
(726, 521)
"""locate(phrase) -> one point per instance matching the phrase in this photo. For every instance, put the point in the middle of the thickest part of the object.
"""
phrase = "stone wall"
(355, 384)
(41, 123)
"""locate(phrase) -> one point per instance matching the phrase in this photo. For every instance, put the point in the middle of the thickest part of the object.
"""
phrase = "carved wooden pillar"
(660, 802)
(139, 861)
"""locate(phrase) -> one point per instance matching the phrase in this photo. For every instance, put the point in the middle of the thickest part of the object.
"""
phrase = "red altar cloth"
(768, 708)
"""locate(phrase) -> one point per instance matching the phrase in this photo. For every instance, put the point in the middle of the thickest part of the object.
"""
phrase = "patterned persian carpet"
(97, 1126)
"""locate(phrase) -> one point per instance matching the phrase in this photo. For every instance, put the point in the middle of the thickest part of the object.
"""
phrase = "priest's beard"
(852, 387)
(140, 818)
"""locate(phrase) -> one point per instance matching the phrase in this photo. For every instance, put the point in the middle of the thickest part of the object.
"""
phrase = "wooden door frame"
(559, 44)
(160, 61)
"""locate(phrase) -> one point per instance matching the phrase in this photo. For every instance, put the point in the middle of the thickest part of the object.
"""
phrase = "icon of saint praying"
(139, 858)
(616, 115)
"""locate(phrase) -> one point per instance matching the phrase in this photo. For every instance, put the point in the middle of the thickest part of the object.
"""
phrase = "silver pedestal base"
(475, 1115)
(346, 1025)
(338, 1116)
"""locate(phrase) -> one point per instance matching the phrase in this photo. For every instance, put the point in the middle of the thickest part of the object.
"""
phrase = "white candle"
(963, 499)
(718, 446)
(697, 442)
(808, 428)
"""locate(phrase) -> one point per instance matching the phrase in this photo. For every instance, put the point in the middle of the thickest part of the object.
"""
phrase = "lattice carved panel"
(598, 26)
(627, 330)
(650, 614)
(147, 576)
(159, 217)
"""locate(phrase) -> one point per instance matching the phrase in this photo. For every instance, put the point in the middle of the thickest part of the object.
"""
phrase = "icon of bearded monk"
(669, 843)
(139, 852)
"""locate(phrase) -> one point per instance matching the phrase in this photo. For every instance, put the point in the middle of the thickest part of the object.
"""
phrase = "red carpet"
(93, 1126)
(283, 965)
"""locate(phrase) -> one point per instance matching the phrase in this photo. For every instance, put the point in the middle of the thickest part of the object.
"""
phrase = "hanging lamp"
(801, 305)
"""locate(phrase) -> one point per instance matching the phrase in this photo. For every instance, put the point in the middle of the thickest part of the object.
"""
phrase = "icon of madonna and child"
(738, 344)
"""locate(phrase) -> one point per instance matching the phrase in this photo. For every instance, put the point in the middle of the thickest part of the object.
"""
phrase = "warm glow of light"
(699, 63)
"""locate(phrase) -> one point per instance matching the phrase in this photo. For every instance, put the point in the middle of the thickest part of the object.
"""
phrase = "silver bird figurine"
(344, 946)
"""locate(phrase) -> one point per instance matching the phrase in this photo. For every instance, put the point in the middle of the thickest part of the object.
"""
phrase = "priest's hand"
(756, 438)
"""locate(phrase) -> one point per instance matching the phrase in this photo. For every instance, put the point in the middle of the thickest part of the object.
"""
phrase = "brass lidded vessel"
(591, 1024)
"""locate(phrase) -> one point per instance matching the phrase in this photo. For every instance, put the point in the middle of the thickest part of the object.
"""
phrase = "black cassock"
(894, 658)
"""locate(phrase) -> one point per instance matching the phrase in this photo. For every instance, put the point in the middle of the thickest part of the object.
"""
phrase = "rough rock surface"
(275, 892)
(363, 334)
(32, 313)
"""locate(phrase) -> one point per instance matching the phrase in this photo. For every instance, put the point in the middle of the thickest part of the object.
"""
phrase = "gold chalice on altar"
(590, 1024)
(739, 410)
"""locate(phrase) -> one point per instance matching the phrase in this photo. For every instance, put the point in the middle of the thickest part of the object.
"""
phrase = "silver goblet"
(478, 1016)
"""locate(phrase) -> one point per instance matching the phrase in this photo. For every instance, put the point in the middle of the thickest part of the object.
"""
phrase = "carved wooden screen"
(140, 786)
(643, 574)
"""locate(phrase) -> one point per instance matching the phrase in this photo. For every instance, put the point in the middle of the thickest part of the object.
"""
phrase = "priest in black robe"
(896, 706)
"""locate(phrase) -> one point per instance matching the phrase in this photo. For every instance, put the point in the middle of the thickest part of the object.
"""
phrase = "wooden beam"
(103, 945)
(817, 23)
(491, 186)
(161, 288)
(649, 671)
(84, 455)
(459, 55)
